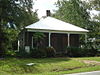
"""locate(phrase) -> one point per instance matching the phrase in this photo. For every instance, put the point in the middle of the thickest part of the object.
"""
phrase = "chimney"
(48, 13)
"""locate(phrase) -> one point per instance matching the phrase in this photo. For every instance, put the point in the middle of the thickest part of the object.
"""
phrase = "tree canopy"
(73, 11)
(14, 12)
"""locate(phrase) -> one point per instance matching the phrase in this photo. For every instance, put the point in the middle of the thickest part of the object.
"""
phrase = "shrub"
(50, 51)
(74, 51)
(80, 52)
(22, 53)
(43, 52)
(38, 52)
(10, 53)
(90, 52)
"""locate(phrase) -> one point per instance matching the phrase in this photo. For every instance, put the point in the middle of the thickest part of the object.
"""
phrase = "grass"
(90, 58)
(45, 66)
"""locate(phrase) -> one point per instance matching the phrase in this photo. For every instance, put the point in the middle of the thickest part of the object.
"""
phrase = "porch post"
(32, 41)
(49, 39)
(68, 39)
(85, 38)
(18, 45)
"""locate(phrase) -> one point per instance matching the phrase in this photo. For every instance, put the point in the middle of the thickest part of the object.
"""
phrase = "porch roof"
(52, 24)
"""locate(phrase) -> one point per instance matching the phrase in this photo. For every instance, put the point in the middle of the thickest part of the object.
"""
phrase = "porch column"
(32, 41)
(49, 39)
(68, 39)
(85, 38)
(18, 45)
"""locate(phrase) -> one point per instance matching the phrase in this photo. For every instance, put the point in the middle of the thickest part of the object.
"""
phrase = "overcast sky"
(43, 5)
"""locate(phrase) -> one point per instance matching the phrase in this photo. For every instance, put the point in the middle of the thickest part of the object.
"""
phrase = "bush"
(43, 52)
(80, 52)
(10, 53)
(74, 51)
(51, 52)
(22, 53)
(90, 52)
(38, 52)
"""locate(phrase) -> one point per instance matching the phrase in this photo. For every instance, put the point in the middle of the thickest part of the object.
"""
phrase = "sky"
(43, 5)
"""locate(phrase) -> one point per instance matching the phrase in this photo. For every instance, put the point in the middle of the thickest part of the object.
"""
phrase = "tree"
(18, 12)
(74, 12)
(38, 37)
(95, 28)
(77, 12)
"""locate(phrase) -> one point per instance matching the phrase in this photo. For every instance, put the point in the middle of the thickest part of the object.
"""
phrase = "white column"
(18, 45)
(85, 38)
(49, 39)
(68, 39)
(32, 41)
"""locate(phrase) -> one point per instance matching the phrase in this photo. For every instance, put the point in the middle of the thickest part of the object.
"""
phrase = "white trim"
(49, 39)
(54, 31)
(68, 39)
(18, 45)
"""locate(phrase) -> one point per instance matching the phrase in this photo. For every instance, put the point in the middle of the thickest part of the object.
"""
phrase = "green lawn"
(45, 66)
(91, 58)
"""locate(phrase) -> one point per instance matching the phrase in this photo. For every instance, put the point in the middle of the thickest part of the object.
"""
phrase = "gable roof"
(53, 24)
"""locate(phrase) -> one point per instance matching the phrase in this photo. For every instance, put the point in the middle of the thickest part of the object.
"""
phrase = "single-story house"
(58, 34)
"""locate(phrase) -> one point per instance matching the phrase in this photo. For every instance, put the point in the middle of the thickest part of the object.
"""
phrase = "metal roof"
(53, 24)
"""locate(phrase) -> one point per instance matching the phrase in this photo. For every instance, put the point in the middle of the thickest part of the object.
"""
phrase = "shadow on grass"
(51, 60)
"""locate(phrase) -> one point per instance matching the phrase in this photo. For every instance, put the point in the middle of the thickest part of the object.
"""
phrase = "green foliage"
(94, 27)
(10, 53)
(22, 54)
(18, 12)
(11, 38)
(81, 52)
(51, 52)
(74, 12)
(38, 37)
(94, 4)
(74, 51)
(38, 53)
(43, 52)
